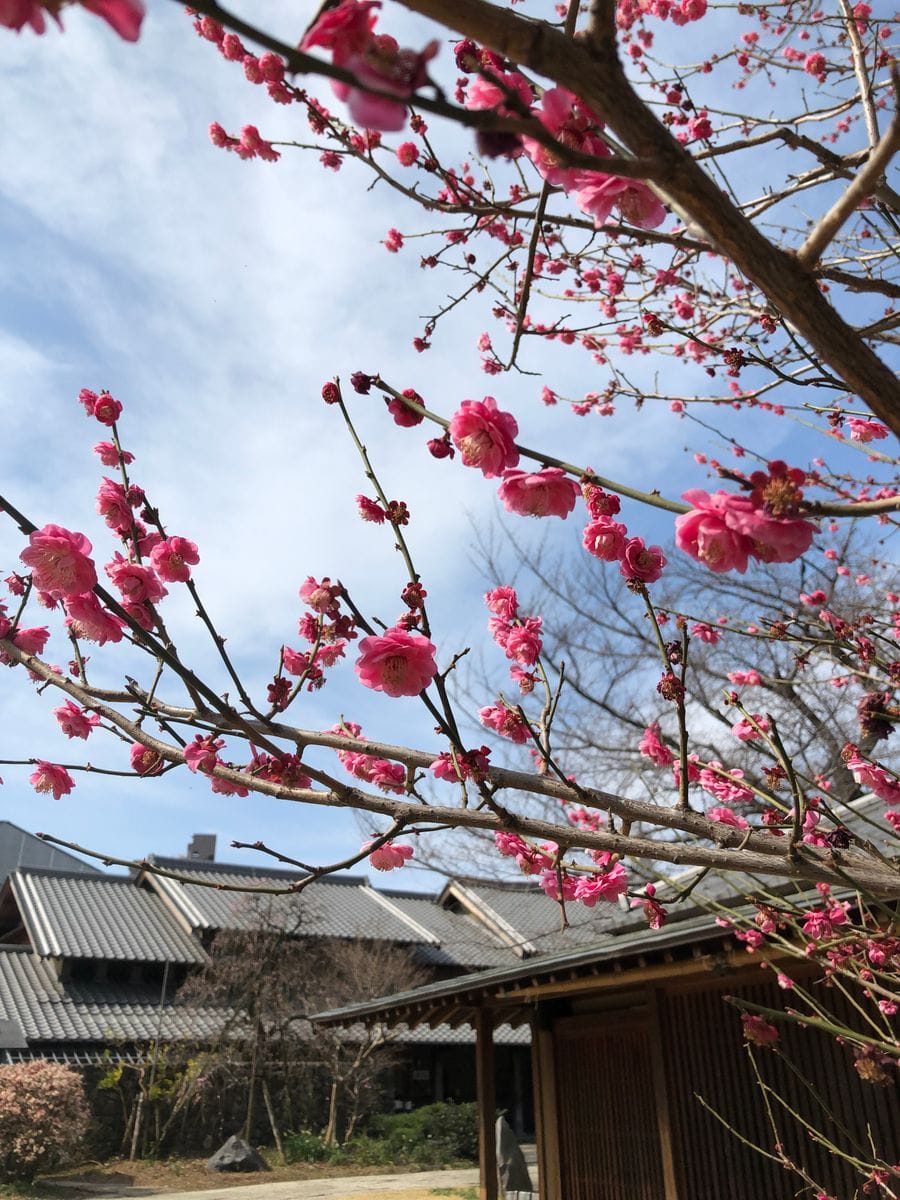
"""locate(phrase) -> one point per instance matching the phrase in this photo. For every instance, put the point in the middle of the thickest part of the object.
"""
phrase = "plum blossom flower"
(506, 721)
(640, 561)
(471, 764)
(724, 785)
(605, 539)
(124, 16)
(86, 618)
(75, 722)
(705, 633)
(724, 530)
(503, 602)
(746, 730)
(321, 597)
(523, 642)
(376, 60)
(145, 761)
(607, 886)
(389, 856)
(862, 430)
(758, 1030)
(398, 663)
(485, 436)
(51, 778)
(113, 506)
(173, 558)
(546, 493)
(202, 753)
(575, 126)
(109, 454)
(60, 561)
(871, 776)
(653, 747)
(727, 816)
(598, 194)
(137, 583)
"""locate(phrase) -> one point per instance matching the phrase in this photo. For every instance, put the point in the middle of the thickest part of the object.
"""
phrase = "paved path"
(409, 1186)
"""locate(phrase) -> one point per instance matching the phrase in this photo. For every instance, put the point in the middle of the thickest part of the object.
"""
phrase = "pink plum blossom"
(321, 596)
(471, 764)
(109, 454)
(707, 534)
(653, 747)
(495, 93)
(124, 16)
(862, 430)
(705, 633)
(605, 539)
(202, 753)
(485, 436)
(597, 195)
(398, 663)
(29, 641)
(758, 1030)
(546, 493)
(51, 778)
(389, 856)
(113, 506)
(503, 602)
(506, 721)
(75, 722)
(724, 785)
(640, 561)
(86, 618)
(575, 126)
(608, 886)
(145, 761)
(138, 584)
(60, 561)
(727, 816)
(173, 558)
(523, 643)
(746, 730)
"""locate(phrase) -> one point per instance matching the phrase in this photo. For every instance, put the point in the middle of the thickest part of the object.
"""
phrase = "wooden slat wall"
(608, 1140)
(701, 1035)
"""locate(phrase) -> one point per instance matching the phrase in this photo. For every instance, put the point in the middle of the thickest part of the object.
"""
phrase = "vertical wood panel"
(487, 1104)
(609, 1142)
(705, 1054)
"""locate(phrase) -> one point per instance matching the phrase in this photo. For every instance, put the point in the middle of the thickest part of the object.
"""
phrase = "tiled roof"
(18, 848)
(338, 908)
(104, 917)
(46, 1010)
(530, 922)
(463, 941)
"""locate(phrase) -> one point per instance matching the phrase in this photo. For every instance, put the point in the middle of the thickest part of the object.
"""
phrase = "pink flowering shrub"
(43, 1118)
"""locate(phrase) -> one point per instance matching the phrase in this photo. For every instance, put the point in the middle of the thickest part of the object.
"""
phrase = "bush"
(305, 1147)
(430, 1136)
(43, 1118)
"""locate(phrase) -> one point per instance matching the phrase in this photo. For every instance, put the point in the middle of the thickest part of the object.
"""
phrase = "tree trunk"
(329, 1136)
(272, 1122)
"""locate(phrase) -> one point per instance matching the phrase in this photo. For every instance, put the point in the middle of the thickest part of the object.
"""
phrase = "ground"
(185, 1178)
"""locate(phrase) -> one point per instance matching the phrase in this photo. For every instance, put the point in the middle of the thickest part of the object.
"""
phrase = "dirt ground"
(190, 1175)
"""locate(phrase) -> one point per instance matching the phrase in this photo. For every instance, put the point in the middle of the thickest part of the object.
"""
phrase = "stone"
(511, 1167)
(236, 1155)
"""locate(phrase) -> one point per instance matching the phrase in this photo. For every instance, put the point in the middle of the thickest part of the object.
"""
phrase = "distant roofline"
(186, 865)
(64, 873)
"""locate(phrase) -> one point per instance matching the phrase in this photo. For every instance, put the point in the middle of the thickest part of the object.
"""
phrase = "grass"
(467, 1193)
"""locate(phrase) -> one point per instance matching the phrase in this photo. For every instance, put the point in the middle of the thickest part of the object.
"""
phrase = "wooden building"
(644, 1089)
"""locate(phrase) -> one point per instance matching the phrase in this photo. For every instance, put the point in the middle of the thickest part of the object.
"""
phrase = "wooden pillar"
(487, 1105)
(545, 1115)
(664, 1113)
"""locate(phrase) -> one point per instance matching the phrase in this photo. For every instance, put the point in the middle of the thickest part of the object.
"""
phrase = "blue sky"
(213, 298)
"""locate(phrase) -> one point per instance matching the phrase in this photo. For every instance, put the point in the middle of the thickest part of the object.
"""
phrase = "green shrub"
(305, 1146)
(429, 1136)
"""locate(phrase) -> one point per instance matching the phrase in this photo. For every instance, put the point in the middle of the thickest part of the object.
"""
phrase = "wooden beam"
(487, 1105)
(674, 972)
(664, 1110)
(545, 1114)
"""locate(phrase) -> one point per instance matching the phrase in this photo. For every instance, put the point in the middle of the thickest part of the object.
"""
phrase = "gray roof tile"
(339, 908)
(463, 941)
(53, 1012)
(104, 917)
